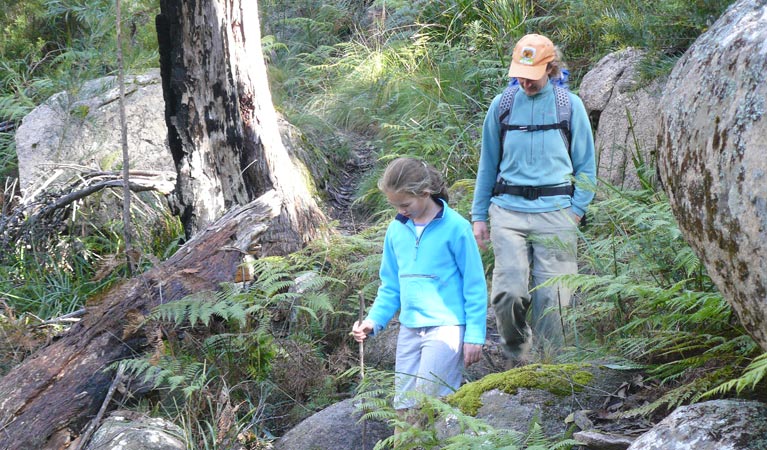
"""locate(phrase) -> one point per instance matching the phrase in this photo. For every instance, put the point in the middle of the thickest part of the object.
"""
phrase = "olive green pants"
(542, 245)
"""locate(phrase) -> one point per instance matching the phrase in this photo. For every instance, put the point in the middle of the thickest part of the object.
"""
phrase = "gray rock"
(517, 411)
(712, 425)
(617, 68)
(334, 428)
(119, 432)
(76, 131)
(381, 349)
(627, 116)
(594, 440)
(712, 156)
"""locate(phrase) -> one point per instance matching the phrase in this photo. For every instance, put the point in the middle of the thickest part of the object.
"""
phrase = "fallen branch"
(61, 386)
(71, 317)
(43, 215)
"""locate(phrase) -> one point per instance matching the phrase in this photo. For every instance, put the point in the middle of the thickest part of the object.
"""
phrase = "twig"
(74, 315)
(82, 193)
(86, 435)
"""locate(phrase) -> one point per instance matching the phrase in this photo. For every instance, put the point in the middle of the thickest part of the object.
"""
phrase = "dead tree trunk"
(223, 129)
(61, 387)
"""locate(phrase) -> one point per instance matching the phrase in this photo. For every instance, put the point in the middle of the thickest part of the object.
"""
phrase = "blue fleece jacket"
(537, 158)
(437, 279)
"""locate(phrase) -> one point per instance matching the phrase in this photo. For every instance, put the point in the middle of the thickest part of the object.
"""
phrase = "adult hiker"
(432, 273)
(535, 179)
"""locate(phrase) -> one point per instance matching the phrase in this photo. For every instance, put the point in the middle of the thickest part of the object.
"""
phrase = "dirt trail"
(343, 194)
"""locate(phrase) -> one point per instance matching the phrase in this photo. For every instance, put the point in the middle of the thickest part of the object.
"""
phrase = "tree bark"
(62, 385)
(223, 129)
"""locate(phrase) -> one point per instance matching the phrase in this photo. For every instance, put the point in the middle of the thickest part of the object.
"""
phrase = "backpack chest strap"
(551, 126)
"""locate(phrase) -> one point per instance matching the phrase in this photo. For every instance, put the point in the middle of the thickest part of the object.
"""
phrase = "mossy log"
(61, 387)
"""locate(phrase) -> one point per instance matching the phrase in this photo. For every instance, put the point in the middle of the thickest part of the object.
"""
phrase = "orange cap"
(531, 56)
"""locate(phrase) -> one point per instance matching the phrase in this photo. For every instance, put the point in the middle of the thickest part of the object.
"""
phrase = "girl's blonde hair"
(413, 176)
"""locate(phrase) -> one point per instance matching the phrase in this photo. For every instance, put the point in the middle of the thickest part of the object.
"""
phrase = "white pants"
(429, 361)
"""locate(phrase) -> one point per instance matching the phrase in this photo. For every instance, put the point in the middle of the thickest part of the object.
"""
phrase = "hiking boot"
(513, 363)
(518, 351)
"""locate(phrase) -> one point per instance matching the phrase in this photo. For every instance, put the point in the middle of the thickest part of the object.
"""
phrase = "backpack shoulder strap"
(507, 102)
(562, 100)
(504, 113)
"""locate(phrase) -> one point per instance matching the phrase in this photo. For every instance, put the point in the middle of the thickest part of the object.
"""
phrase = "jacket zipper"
(418, 238)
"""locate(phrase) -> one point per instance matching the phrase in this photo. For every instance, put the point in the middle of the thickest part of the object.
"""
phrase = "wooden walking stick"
(362, 366)
(362, 343)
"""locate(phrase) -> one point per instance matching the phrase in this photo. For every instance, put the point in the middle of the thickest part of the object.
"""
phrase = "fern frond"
(139, 368)
(686, 393)
(751, 377)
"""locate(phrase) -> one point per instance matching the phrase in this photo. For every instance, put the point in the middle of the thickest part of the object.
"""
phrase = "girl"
(431, 272)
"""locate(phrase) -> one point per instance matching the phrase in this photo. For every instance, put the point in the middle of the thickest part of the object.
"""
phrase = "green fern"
(685, 393)
(644, 293)
(199, 308)
(753, 374)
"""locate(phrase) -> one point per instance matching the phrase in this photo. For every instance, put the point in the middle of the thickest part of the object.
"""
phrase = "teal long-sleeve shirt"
(433, 280)
(538, 158)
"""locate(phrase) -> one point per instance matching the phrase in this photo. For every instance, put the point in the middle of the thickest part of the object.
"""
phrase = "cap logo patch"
(527, 56)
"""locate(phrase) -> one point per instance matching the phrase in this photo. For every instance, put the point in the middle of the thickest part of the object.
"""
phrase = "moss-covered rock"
(559, 379)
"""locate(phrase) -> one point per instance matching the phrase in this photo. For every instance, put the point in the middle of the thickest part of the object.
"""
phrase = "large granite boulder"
(713, 157)
(625, 114)
(79, 131)
(712, 425)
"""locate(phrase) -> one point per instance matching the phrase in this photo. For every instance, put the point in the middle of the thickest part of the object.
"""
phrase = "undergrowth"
(645, 294)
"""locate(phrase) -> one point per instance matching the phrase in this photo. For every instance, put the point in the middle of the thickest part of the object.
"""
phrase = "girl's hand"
(471, 354)
(360, 331)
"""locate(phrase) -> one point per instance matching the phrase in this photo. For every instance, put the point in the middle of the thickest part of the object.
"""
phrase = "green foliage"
(54, 282)
(589, 29)
(394, 92)
(645, 294)
(204, 359)
(199, 308)
(244, 340)
(60, 36)
(421, 94)
(418, 429)
(50, 272)
(752, 376)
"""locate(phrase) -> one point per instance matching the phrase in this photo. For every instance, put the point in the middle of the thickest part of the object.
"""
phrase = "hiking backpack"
(562, 101)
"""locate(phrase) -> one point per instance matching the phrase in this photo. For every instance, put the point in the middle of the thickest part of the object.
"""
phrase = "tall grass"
(588, 29)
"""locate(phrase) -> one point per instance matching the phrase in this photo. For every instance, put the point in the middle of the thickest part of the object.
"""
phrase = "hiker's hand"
(361, 330)
(471, 354)
(481, 234)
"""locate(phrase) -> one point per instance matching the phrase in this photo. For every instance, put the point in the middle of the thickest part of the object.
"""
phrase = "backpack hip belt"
(533, 192)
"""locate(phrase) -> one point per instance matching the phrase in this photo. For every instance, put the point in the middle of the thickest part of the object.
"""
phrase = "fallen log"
(61, 387)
